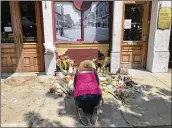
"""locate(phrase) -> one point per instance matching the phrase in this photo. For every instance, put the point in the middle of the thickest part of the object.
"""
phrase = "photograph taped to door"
(164, 20)
(8, 29)
(127, 24)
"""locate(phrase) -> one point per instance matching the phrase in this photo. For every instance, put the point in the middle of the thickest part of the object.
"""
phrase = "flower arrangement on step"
(65, 64)
(102, 65)
(65, 72)
(118, 86)
(64, 83)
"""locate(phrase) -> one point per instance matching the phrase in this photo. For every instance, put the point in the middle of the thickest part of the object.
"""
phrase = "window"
(6, 25)
(133, 22)
(27, 9)
(96, 28)
(69, 22)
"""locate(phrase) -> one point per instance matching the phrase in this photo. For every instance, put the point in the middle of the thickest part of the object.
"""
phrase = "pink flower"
(99, 61)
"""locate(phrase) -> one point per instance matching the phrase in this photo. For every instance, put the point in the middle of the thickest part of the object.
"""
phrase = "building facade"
(128, 31)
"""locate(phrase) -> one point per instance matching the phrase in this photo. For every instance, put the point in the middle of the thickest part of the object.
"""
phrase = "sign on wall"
(164, 20)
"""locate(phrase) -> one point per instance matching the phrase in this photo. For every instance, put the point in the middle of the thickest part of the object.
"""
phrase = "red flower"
(99, 61)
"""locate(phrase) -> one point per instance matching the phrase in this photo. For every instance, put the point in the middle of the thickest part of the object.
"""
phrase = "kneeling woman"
(87, 92)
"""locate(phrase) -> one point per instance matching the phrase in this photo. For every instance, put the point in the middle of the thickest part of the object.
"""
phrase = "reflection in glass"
(6, 25)
(28, 20)
(96, 22)
(68, 22)
(135, 14)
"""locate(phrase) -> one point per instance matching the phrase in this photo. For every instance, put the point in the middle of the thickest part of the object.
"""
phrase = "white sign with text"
(7, 29)
(127, 24)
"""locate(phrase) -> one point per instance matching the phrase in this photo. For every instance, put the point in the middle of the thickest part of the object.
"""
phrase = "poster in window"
(68, 22)
(127, 24)
(96, 22)
(7, 29)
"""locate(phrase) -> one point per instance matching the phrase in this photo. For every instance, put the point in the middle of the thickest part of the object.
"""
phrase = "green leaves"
(64, 63)
(101, 64)
(106, 62)
(116, 87)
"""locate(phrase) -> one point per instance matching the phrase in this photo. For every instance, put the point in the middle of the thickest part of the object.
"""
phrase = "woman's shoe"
(82, 117)
(94, 117)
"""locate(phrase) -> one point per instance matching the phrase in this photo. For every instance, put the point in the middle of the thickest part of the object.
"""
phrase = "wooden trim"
(53, 21)
(5, 45)
(17, 30)
(148, 10)
(144, 32)
(39, 34)
(80, 42)
(31, 46)
(78, 45)
(134, 2)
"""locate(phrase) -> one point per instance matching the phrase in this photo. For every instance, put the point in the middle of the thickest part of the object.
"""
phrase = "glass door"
(32, 55)
(134, 34)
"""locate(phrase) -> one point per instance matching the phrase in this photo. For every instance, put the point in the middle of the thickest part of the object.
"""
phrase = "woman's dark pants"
(88, 102)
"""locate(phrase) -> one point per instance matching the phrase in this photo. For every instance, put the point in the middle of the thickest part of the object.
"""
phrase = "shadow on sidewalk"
(150, 107)
(35, 120)
(6, 75)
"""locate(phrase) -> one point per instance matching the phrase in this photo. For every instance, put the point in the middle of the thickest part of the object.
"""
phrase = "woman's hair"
(87, 65)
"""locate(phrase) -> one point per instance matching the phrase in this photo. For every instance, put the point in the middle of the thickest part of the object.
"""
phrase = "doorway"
(24, 51)
(134, 40)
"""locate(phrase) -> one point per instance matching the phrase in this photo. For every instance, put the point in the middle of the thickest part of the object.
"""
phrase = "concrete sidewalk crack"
(159, 80)
(130, 125)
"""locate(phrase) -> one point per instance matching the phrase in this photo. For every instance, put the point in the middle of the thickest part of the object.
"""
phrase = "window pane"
(96, 22)
(28, 19)
(133, 22)
(68, 22)
(6, 25)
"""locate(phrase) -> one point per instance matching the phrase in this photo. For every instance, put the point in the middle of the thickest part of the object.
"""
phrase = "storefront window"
(6, 25)
(68, 21)
(28, 20)
(133, 22)
(96, 21)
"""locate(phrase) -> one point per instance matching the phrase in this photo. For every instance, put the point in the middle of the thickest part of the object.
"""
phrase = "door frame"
(17, 31)
(40, 32)
(146, 23)
(18, 34)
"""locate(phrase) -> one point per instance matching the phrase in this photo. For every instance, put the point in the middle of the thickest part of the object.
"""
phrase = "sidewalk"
(29, 104)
